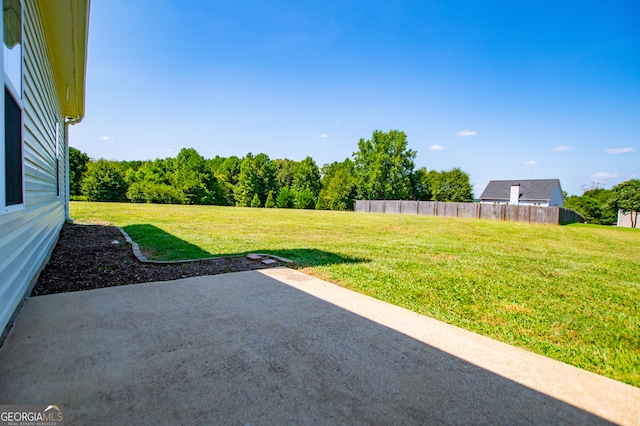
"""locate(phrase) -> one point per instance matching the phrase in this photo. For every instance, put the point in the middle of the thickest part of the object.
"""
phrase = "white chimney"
(515, 194)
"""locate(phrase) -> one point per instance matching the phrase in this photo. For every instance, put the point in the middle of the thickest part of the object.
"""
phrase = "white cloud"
(107, 139)
(167, 149)
(467, 133)
(619, 150)
(604, 175)
(322, 136)
(436, 147)
(530, 163)
(561, 148)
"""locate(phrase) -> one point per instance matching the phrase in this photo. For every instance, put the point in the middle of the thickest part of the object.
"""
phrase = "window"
(11, 151)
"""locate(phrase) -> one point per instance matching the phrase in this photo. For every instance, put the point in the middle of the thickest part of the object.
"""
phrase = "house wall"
(556, 199)
(28, 235)
(491, 201)
(541, 203)
(624, 219)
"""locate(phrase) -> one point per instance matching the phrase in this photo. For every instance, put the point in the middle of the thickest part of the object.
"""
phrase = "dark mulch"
(86, 258)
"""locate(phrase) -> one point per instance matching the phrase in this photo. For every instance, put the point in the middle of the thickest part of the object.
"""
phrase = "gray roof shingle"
(530, 190)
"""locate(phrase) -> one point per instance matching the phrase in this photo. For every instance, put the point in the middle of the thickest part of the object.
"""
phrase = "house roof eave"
(530, 189)
(66, 27)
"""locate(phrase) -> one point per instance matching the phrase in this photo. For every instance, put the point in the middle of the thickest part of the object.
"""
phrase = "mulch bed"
(86, 258)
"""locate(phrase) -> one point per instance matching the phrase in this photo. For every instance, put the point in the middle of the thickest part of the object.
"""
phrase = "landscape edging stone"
(143, 259)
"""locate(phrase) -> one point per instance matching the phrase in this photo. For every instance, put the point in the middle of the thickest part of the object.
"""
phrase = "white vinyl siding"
(557, 200)
(28, 235)
(540, 203)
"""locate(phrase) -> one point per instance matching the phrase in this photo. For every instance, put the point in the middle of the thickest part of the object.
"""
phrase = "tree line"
(600, 206)
(382, 168)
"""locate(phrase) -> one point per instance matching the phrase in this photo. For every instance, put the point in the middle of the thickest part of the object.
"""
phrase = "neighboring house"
(43, 62)
(624, 219)
(536, 192)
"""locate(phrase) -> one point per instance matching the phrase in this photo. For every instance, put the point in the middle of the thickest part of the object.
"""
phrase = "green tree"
(607, 214)
(215, 164)
(255, 202)
(186, 179)
(194, 179)
(104, 181)
(77, 167)
(270, 203)
(383, 166)
(420, 185)
(285, 170)
(307, 176)
(305, 199)
(321, 203)
(285, 198)
(227, 174)
(452, 185)
(145, 178)
(225, 171)
(266, 175)
(338, 186)
(626, 197)
(248, 184)
(158, 193)
(593, 205)
(230, 169)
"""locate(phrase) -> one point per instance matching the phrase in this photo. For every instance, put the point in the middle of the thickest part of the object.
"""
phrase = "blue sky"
(501, 89)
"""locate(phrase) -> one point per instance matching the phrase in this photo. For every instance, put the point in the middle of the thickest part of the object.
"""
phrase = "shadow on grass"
(157, 244)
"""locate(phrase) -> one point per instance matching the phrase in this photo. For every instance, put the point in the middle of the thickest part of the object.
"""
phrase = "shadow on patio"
(275, 347)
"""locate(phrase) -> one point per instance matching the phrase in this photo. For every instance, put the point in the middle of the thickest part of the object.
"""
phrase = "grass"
(567, 292)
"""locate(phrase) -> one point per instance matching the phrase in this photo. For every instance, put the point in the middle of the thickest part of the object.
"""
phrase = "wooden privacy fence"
(513, 213)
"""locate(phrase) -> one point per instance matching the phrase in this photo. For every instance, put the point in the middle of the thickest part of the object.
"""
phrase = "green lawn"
(567, 292)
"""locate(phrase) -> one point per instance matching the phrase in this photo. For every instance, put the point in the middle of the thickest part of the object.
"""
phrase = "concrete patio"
(280, 347)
